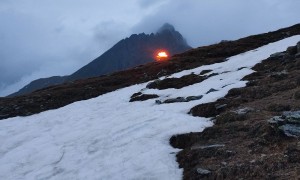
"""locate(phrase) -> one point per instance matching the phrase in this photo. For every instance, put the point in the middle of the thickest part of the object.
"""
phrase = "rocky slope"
(245, 143)
(130, 52)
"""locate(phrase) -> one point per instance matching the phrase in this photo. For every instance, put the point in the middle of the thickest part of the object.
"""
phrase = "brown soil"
(61, 95)
(242, 144)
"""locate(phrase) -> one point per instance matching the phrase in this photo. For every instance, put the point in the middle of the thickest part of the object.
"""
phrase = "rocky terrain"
(256, 129)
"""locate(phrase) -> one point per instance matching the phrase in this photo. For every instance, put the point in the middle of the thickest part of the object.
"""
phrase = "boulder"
(175, 100)
(153, 85)
(143, 97)
(278, 55)
(205, 71)
(206, 110)
(288, 123)
(179, 99)
(292, 50)
(211, 90)
(203, 172)
(193, 98)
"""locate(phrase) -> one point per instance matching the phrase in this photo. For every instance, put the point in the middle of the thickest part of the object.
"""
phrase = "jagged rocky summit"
(135, 50)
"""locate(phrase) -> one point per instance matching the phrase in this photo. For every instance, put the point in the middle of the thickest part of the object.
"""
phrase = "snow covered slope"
(110, 138)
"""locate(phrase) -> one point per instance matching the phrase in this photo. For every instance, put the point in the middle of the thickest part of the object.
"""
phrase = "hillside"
(61, 95)
(230, 98)
(136, 50)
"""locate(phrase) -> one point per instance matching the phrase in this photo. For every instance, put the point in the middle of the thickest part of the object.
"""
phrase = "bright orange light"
(162, 55)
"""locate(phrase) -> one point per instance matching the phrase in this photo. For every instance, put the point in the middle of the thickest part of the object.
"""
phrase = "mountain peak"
(166, 27)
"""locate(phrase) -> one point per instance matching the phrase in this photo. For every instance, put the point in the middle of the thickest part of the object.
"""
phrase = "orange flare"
(162, 55)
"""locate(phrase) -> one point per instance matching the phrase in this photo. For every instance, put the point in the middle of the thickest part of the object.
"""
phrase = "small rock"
(208, 146)
(224, 41)
(174, 100)
(203, 171)
(211, 90)
(288, 123)
(279, 75)
(292, 117)
(224, 163)
(263, 155)
(211, 75)
(290, 130)
(292, 50)
(221, 106)
(243, 111)
(278, 55)
(143, 97)
(158, 102)
(205, 72)
(153, 84)
(193, 98)
(205, 110)
(136, 94)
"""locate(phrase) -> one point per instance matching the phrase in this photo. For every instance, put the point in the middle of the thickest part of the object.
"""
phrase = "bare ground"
(242, 144)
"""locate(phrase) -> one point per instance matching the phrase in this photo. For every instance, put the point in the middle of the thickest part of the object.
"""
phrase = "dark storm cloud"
(205, 22)
(45, 38)
(50, 37)
(26, 53)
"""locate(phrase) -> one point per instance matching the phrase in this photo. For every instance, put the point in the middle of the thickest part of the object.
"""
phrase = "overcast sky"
(41, 38)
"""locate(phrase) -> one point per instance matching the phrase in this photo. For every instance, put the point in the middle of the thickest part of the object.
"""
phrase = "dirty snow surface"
(110, 138)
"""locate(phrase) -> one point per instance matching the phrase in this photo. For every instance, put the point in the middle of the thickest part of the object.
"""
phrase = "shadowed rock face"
(136, 50)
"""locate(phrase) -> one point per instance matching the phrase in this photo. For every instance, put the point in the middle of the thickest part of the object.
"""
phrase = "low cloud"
(45, 38)
(206, 22)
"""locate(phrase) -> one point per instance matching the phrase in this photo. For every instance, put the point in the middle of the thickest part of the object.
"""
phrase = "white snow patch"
(109, 138)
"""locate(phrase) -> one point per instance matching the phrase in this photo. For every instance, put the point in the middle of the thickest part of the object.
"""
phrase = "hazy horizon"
(46, 38)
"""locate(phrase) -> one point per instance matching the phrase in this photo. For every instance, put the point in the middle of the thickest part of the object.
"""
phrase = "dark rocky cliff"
(130, 52)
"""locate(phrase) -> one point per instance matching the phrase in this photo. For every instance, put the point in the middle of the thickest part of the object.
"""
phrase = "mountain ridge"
(61, 95)
(127, 53)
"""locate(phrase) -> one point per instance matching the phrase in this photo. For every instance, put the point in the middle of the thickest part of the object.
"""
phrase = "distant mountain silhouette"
(130, 52)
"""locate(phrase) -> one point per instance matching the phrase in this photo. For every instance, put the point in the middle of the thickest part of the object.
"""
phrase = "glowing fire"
(162, 55)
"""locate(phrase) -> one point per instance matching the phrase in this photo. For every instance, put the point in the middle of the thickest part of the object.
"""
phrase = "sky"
(42, 38)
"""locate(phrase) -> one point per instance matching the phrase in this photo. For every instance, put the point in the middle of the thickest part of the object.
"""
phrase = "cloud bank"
(50, 37)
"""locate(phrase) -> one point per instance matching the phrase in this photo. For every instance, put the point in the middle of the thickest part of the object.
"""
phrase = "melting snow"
(109, 138)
